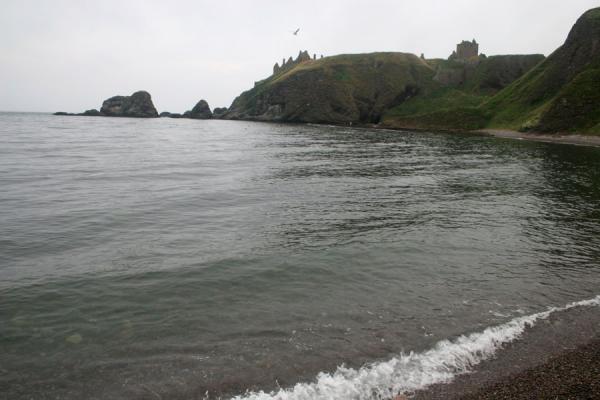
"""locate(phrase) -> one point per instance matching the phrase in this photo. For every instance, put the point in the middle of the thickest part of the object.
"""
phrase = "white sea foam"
(409, 372)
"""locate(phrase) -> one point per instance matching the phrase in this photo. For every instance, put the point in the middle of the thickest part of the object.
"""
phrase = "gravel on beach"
(572, 375)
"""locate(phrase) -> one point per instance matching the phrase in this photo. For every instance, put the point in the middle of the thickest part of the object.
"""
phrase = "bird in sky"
(296, 32)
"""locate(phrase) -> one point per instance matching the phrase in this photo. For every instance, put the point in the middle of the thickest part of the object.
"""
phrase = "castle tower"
(467, 50)
(303, 56)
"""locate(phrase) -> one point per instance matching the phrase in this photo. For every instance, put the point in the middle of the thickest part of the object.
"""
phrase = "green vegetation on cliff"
(461, 89)
(339, 89)
(562, 94)
(524, 92)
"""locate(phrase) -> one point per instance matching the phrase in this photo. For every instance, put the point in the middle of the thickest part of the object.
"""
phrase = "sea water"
(185, 259)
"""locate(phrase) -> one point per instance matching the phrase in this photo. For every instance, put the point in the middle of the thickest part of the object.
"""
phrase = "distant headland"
(466, 91)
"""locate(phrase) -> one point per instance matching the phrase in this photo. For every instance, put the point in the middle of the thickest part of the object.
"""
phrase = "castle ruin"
(465, 51)
(303, 56)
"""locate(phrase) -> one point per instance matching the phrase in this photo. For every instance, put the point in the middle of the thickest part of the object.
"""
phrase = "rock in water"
(74, 339)
(219, 112)
(92, 113)
(138, 105)
(201, 111)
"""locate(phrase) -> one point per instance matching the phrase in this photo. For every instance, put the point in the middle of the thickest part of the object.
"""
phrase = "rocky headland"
(467, 91)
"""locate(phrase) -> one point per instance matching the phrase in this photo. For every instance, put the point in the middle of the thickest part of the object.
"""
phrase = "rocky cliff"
(339, 89)
(362, 88)
(524, 92)
(562, 94)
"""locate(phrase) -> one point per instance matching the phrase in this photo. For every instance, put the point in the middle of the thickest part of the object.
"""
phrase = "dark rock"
(166, 114)
(201, 111)
(356, 88)
(187, 114)
(138, 105)
(61, 113)
(219, 112)
(92, 113)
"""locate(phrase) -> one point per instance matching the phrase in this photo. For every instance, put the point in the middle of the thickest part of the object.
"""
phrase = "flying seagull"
(296, 32)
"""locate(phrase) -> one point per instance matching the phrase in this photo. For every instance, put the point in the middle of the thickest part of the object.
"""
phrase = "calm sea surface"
(175, 259)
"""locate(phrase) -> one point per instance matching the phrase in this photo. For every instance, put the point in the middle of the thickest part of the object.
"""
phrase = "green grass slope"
(562, 93)
(339, 89)
(558, 94)
(460, 90)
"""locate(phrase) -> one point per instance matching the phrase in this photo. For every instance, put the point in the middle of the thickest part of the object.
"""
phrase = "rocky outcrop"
(92, 113)
(87, 113)
(218, 112)
(200, 111)
(340, 89)
(166, 114)
(138, 105)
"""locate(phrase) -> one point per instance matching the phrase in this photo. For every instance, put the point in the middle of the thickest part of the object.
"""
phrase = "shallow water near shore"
(180, 259)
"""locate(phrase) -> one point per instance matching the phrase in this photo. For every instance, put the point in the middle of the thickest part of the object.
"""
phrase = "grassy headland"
(560, 93)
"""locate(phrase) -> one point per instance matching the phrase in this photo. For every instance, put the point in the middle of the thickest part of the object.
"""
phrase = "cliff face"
(454, 102)
(557, 94)
(138, 105)
(485, 74)
(340, 89)
(563, 93)
(362, 88)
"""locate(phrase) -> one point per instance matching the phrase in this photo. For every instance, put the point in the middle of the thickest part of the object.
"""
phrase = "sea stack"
(200, 111)
(138, 105)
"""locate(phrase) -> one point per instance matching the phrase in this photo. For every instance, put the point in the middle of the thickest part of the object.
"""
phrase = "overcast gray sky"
(69, 55)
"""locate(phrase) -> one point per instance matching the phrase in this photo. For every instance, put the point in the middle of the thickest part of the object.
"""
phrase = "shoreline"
(558, 358)
(573, 375)
(573, 139)
(566, 138)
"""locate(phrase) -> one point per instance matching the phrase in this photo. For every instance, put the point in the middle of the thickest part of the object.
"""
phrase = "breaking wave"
(410, 372)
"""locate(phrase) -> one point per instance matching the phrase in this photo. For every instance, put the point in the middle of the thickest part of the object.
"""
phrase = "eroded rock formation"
(138, 105)
(200, 111)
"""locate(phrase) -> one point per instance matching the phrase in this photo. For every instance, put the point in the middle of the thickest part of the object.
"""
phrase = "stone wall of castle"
(467, 50)
(303, 56)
